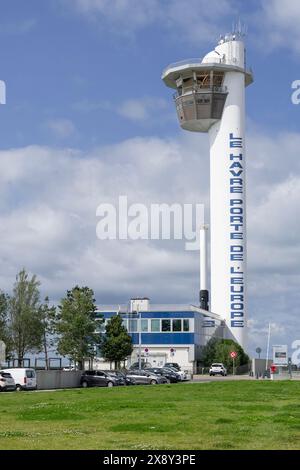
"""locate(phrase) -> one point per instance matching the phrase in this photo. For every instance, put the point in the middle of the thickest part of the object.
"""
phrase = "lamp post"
(140, 336)
(268, 346)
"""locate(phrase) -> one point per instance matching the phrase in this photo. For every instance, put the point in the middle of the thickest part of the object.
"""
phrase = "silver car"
(6, 381)
(142, 377)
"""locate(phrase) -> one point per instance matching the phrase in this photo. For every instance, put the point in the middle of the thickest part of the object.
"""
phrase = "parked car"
(99, 378)
(143, 377)
(25, 378)
(169, 374)
(182, 374)
(144, 365)
(128, 380)
(6, 381)
(217, 369)
(179, 374)
(174, 365)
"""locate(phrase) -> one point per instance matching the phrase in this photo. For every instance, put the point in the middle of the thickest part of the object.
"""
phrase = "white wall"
(183, 355)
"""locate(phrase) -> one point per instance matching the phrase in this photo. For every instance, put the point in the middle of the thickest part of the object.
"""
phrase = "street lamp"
(140, 336)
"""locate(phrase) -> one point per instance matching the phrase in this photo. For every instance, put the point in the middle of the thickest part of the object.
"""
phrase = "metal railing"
(152, 308)
(215, 60)
(195, 61)
(199, 89)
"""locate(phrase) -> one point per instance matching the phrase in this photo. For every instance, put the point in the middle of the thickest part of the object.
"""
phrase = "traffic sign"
(233, 354)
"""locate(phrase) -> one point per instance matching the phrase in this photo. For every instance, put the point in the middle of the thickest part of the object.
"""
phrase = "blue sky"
(61, 64)
(88, 118)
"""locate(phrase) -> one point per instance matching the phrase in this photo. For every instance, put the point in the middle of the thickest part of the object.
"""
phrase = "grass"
(216, 415)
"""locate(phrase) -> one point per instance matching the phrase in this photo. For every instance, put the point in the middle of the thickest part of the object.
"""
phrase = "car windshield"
(217, 365)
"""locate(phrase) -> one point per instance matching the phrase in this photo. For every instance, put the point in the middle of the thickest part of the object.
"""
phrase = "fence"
(36, 363)
(51, 379)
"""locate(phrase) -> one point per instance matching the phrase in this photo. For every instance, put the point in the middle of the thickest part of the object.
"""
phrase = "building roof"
(160, 308)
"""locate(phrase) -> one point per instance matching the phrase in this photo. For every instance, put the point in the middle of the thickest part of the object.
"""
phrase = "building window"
(144, 325)
(166, 325)
(124, 321)
(155, 325)
(186, 324)
(132, 326)
(176, 325)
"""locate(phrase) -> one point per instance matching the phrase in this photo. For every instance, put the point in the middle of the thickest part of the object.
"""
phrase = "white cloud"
(275, 23)
(61, 128)
(48, 224)
(135, 109)
(142, 109)
(279, 24)
(193, 21)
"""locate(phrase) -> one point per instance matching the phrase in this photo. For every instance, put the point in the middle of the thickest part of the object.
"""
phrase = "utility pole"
(268, 346)
(140, 336)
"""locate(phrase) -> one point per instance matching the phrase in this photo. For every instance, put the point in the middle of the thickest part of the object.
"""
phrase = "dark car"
(171, 376)
(123, 376)
(172, 364)
(99, 378)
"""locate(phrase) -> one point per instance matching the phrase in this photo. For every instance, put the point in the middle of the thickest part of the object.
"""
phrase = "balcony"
(199, 108)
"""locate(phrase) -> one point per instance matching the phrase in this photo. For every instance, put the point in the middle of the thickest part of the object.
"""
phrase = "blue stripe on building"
(148, 314)
(164, 338)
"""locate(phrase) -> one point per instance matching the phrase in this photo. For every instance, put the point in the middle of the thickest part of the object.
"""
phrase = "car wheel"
(110, 384)
(153, 382)
(18, 388)
(84, 384)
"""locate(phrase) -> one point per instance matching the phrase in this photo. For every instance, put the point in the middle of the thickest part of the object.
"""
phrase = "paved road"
(219, 378)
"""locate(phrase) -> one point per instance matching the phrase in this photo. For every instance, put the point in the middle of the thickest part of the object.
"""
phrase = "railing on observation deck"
(199, 89)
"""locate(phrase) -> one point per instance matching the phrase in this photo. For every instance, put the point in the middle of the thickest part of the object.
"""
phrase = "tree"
(4, 331)
(77, 325)
(24, 322)
(218, 350)
(117, 343)
(47, 315)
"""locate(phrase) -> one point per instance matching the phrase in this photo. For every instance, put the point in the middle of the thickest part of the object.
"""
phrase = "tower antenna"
(239, 29)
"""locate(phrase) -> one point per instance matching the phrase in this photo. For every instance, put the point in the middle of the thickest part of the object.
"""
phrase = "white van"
(25, 378)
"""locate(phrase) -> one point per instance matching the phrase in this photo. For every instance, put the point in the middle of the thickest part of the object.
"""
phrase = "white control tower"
(210, 97)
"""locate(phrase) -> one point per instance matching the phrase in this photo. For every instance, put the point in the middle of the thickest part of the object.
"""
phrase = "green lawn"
(216, 415)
